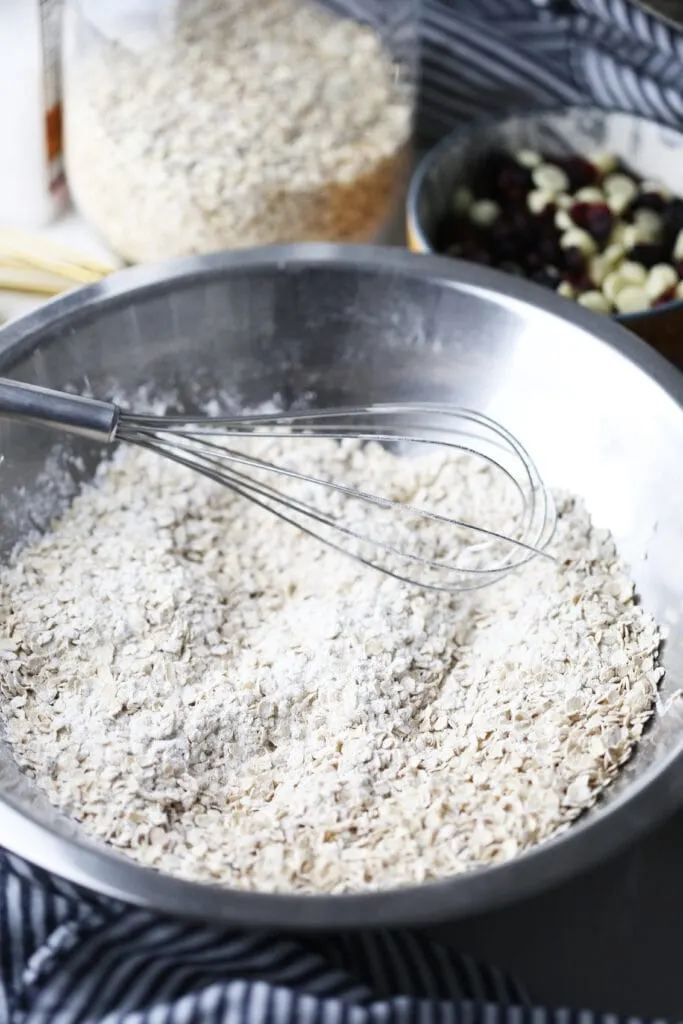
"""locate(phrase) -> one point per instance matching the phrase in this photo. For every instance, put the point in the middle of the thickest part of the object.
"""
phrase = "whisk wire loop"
(422, 557)
(213, 466)
(195, 445)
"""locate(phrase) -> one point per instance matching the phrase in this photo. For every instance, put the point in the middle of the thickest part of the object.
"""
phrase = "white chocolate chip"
(604, 162)
(618, 202)
(598, 269)
(484, 212)
(579, 238)
(566, 290)
(620, 190)
(612, 284)
(678, 246)
(660, 279)
(595, 301)
(528, 158)
(590, 194)
(564, 201)
(550, 178)
(632, 272)
(679, 290)
(462, 199)
(631, 299)
(619, 183)
(617, 236)
(630, 236)
(613, 254)
(563, 221)
(648, 224)
(538, 199)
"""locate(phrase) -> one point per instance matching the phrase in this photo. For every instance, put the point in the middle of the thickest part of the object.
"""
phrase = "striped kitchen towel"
(65, 961)
(483, 57)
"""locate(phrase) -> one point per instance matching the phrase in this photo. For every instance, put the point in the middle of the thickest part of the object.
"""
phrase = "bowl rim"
(98, 869)
(433, 157)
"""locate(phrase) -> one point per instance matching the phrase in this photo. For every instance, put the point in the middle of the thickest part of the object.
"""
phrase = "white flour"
(222, 698)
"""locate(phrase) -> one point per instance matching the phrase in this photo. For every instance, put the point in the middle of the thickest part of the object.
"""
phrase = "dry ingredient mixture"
(246, 123)
(221, 697)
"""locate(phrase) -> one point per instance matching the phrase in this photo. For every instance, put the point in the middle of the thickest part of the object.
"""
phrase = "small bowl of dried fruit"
(586, 202)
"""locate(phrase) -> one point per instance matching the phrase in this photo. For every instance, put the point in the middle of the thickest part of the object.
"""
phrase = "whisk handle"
(57, 410)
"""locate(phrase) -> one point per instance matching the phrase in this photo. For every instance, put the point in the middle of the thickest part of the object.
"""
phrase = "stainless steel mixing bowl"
(600, 411)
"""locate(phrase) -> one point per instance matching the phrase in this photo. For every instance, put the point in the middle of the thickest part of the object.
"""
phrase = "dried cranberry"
(523, 223)
(548, 248)
(450, 230)
(532, 262)
(668, 296)
(487, 172)
(548, 213)
(513, 183)
(579, 171)
(648, 254)
(504, 240)
(650, 201)
(678, 267)
(581, 282)
(595, 218)
(672, 219)
(574, 260)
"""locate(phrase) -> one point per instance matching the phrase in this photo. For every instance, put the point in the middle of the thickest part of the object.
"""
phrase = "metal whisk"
(200, 444)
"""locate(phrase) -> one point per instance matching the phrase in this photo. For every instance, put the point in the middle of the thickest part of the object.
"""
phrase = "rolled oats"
(248, 123)
(220, 697)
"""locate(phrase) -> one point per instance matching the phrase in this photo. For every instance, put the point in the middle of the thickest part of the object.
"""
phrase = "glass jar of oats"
(198, 125)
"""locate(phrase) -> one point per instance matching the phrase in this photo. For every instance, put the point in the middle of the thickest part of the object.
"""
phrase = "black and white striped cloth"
(65, 960)
(495, 56)
(68, 960)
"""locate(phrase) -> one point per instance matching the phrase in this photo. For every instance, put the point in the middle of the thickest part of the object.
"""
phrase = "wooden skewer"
(38, 249)
(66, 271)
(39, 266)
(16, 283)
